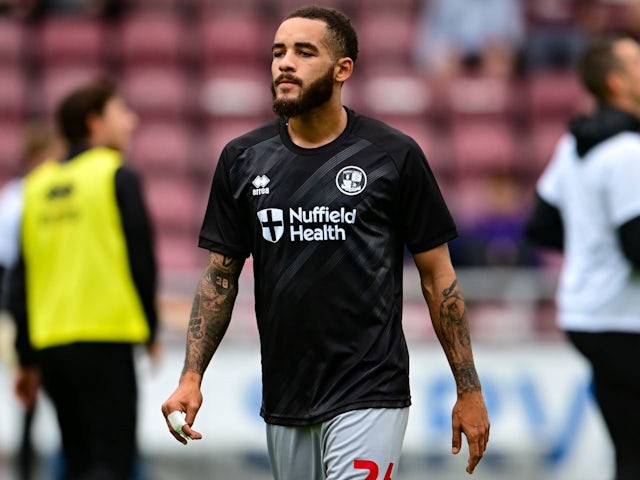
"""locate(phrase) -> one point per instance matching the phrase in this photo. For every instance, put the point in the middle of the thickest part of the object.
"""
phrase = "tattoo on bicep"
(228, 262)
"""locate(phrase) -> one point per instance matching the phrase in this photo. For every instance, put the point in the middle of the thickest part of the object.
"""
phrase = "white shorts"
(356, 445)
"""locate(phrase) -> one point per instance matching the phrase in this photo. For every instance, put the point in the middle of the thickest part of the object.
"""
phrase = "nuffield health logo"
(317, 224)
(272, 221)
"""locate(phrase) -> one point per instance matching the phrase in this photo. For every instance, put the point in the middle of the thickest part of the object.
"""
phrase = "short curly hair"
(342, 36)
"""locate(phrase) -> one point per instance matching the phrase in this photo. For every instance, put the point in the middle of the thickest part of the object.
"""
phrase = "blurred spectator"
(39, 144)
(557, 30)
(83, 292)
(629, 24)
(493, 238)
(456, 35)
(588, 207)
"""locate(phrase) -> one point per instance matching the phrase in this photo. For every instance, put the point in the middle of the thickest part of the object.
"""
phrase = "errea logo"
(260, 182)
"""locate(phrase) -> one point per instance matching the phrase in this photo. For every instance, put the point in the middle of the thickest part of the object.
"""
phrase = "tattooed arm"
(210, 317)
(448, 316)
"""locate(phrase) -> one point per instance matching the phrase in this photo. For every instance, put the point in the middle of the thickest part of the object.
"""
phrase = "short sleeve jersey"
(326, 228)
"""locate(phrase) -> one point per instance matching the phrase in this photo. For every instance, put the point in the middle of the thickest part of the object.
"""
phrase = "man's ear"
(94, 125)
(343, 69)
(614, 82)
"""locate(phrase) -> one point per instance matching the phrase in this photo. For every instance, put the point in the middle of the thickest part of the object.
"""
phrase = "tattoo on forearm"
(452, 316)
(466, 378)
(196, 328)
(453, 330)
(211, 311)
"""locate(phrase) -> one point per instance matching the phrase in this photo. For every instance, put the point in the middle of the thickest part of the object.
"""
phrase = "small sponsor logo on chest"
(260, 183)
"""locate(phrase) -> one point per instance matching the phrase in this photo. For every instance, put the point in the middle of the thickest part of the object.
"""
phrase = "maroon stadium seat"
(13, 100)
(224, 7)
(477, 97)
(543, 138)
(158, 92)
(162, 149)
(481, 147)
(386, 38)
(58, 80)
(555, 94)
(395, 91)
(233, 39)
(152, 38)
(10, 147)
(75, 40)
(396, 7)
(237, 91)
(12, 41)
(177, 251)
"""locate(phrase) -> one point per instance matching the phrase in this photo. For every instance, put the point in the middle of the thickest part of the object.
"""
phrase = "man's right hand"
(186, 399)
(27, 383)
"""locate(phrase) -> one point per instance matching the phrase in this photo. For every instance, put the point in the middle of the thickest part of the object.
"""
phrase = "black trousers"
(615, 361)
(93, 389)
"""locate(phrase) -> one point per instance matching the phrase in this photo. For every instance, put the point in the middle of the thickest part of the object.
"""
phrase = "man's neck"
(318, 127)
(626, 105)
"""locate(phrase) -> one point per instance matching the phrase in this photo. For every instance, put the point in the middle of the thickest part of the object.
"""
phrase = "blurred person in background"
(83, 293)
(457, 36)
(493, 236)
(39, 144)
(325, 199)
(557, 31)
(588, 206)
(630, 19)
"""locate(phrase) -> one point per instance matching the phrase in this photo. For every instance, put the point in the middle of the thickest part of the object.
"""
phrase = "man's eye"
(277, 54)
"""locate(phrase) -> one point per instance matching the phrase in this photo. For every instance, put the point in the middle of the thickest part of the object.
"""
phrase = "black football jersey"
(326, 228)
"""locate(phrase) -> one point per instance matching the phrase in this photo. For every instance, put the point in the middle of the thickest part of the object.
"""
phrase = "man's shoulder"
(372, 128)
(382, 134)
(253, 137)
(619, 148)
(626, 140)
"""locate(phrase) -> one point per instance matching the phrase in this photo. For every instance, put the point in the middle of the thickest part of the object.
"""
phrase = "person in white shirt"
(588, 206)
(38, 144)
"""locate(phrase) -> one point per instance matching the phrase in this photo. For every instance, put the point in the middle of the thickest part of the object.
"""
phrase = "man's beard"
(317, 93)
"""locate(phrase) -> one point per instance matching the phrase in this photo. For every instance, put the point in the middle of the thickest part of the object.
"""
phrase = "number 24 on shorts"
(373, 469)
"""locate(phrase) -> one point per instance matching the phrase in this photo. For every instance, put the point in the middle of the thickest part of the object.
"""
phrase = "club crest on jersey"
(351, 180)
(261, 182)
(272, 221)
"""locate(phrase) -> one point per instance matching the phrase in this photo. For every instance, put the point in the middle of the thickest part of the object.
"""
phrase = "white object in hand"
(177, 422)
